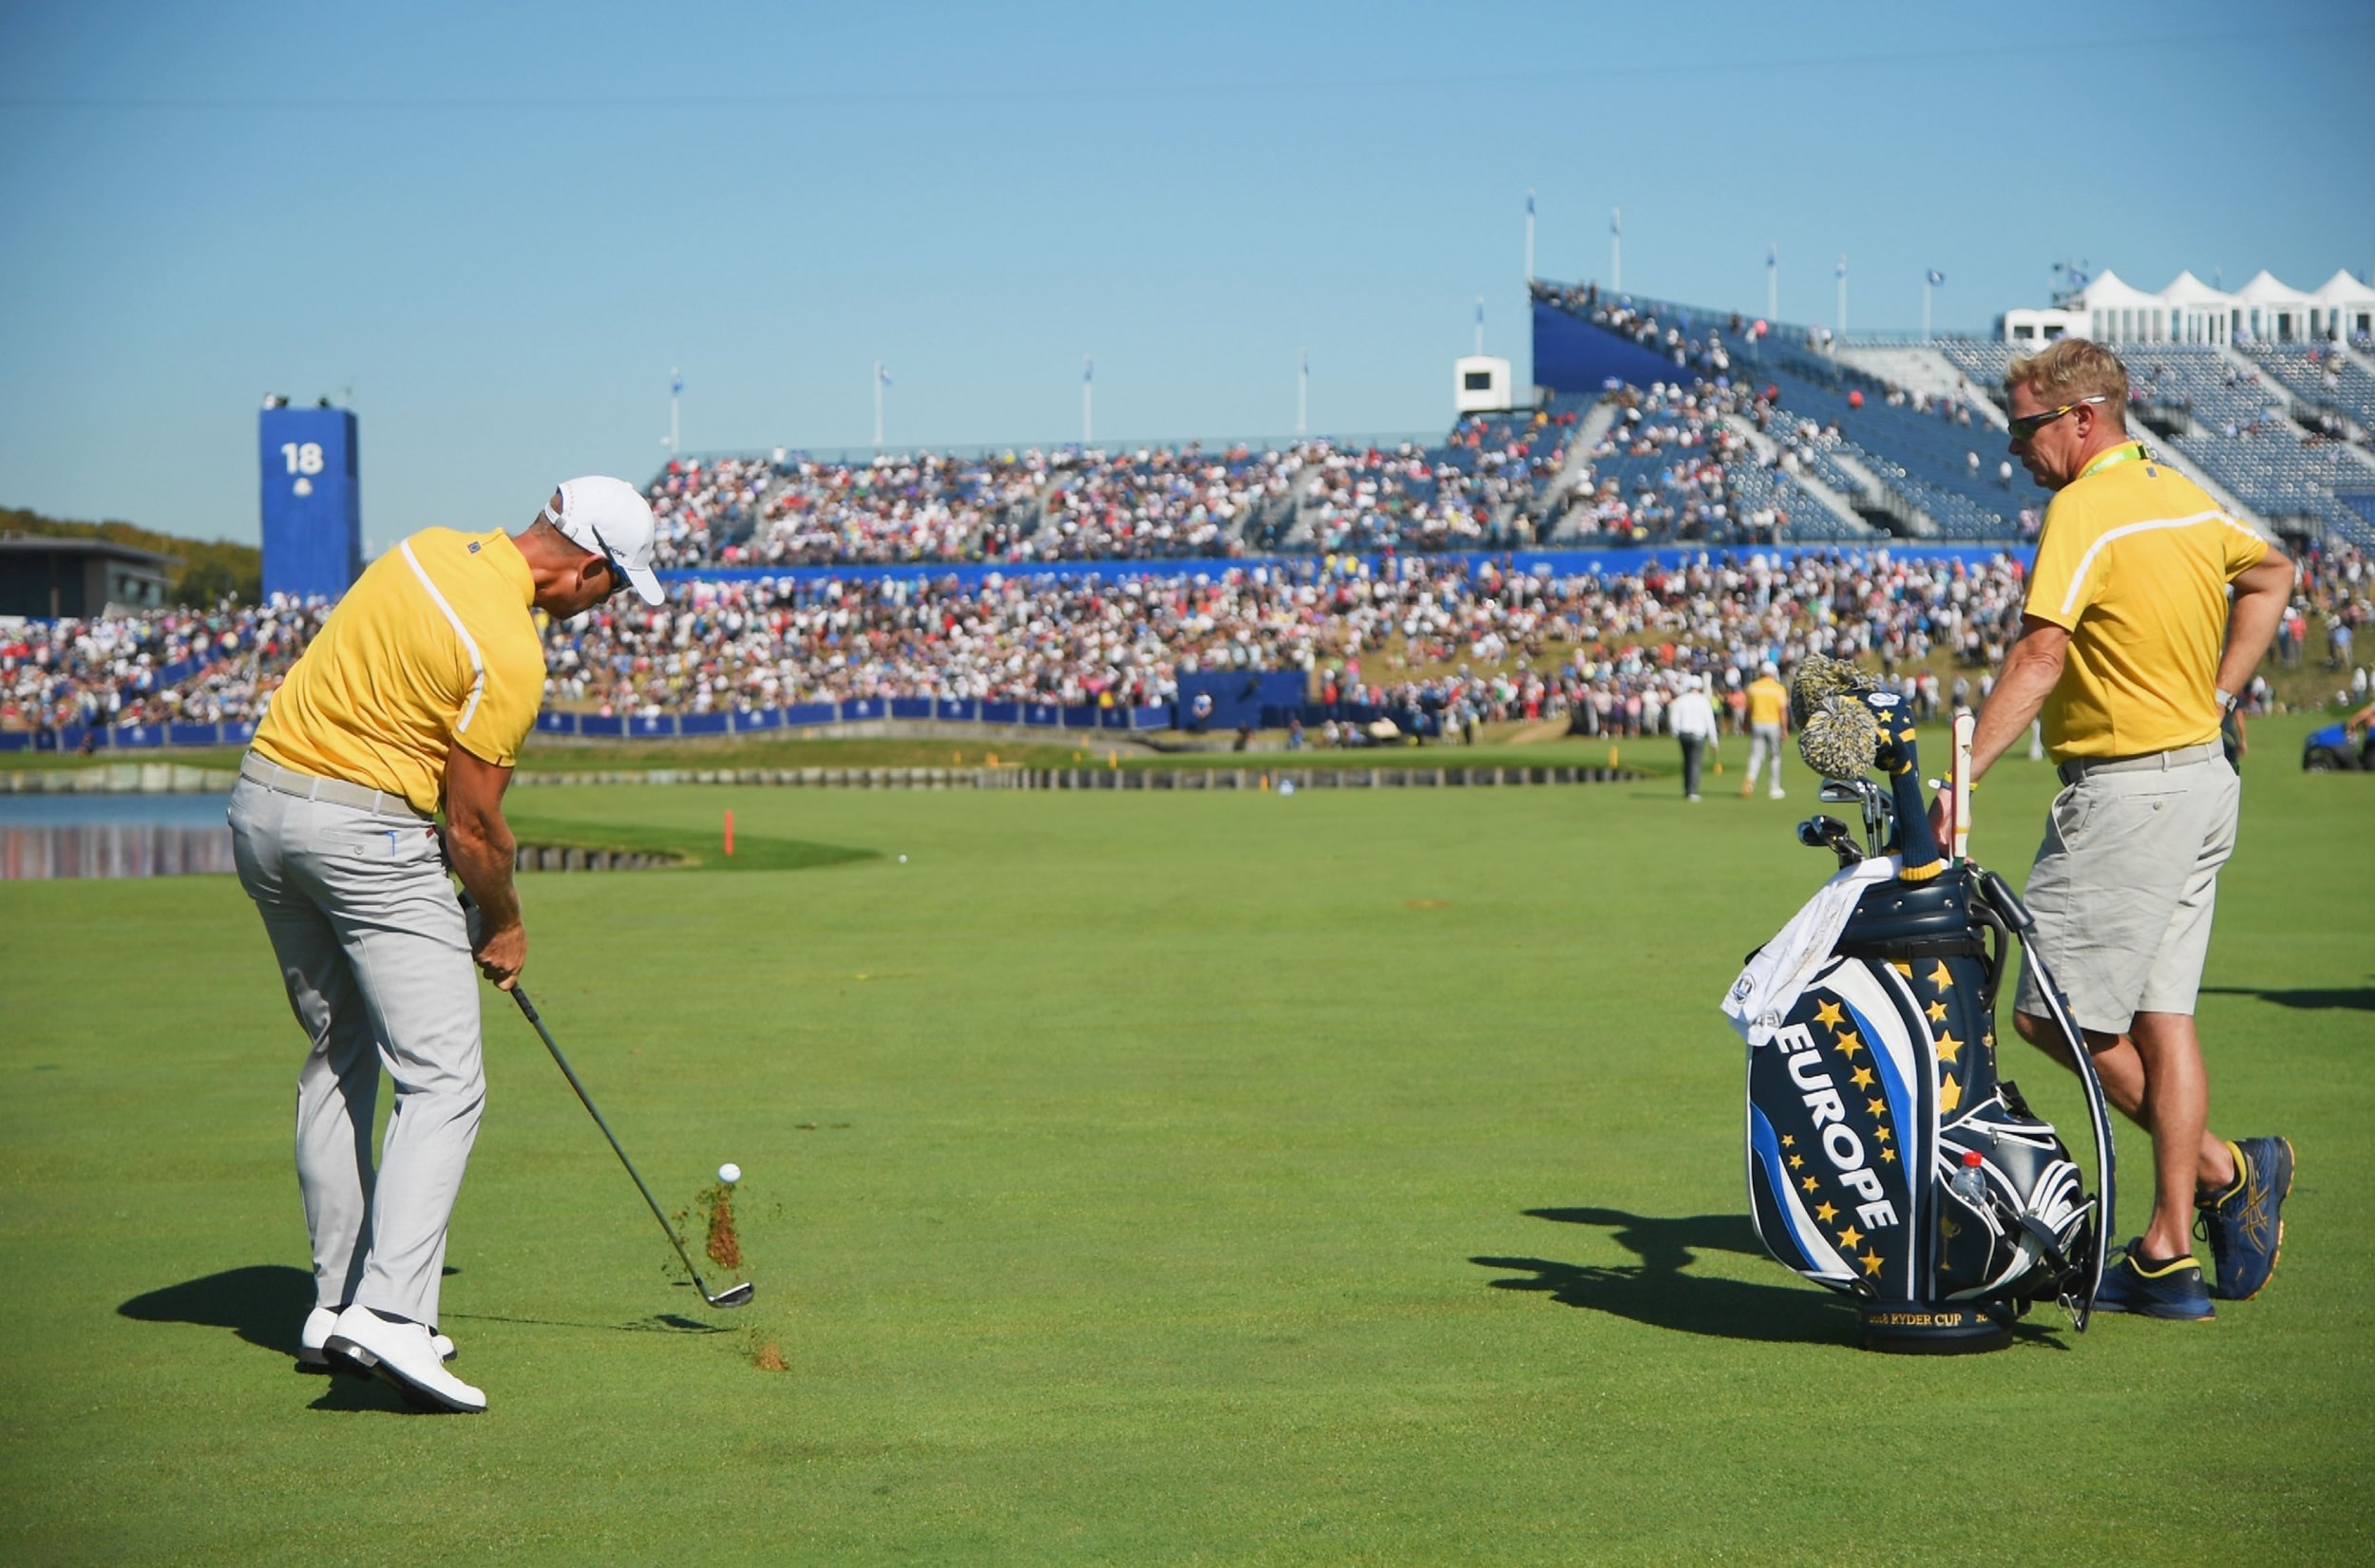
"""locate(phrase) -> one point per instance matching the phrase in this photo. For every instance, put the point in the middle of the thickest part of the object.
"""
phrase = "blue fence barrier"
(744, 721)
(127, 737)
(1051, 716)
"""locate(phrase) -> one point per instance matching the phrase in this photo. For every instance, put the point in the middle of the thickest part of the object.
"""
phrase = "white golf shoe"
(319, 1323)
(404, 1356)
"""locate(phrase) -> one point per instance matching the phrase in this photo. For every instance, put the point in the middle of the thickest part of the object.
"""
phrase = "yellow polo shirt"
(2133, 563)
(435, 645)
(1768, 701)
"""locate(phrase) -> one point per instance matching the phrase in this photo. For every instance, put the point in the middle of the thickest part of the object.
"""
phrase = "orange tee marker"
(730, 831)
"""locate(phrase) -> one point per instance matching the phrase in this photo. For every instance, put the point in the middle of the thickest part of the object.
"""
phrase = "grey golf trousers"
(376, 954)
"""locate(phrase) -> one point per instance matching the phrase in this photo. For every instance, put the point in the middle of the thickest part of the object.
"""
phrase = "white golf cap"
(1771, 669)
(610, 518)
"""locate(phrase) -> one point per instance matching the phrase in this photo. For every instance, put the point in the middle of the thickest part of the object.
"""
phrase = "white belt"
(2184, 756)
(287, 780)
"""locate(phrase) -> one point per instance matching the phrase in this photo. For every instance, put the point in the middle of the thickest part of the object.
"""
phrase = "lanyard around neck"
(2127, 451)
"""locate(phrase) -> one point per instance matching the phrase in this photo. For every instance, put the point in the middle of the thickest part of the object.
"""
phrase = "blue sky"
(496, 228)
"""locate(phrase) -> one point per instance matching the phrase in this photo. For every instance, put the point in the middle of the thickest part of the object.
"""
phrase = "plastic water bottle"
(1969, 1184)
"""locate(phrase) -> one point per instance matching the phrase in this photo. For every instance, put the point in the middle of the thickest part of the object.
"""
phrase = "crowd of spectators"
(1014, 639)
(1416, 632)
(164, 667)
(1475, 491)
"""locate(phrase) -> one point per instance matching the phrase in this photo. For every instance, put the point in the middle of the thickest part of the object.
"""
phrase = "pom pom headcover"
(1840, 739)
(1838, 735)
(1821, 677)
(1847, 726)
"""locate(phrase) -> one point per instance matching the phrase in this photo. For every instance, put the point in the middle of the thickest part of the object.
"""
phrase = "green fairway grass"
(1146, 1178)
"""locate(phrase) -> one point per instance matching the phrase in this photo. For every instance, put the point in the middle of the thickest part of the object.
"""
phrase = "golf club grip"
(528, 1011)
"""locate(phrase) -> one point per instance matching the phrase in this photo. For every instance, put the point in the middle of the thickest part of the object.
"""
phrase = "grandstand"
(1909, 434)
(1696, 427)
(1517, 564)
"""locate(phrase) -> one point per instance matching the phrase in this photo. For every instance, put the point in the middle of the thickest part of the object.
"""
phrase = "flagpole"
(1088, 400)
(1480, 324)
(1843, 293)
(1530, 236)
(676, 391)
(1303, 391)
(1616, 250)
(1773, 283)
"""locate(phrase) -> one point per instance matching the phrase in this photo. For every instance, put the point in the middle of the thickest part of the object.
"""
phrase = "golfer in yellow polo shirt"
(2130, 651)
(1768, 725)
(413, 699)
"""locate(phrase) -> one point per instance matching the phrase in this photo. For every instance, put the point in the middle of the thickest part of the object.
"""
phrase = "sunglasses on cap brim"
(601, 548)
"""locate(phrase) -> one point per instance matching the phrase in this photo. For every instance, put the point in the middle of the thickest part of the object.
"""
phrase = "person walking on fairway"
(1768, 723)
(2120, 655)
(1693, 719)
(414, 697)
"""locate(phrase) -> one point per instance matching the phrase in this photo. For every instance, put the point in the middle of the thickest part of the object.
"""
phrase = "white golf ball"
(903, 859)
(730, 1172)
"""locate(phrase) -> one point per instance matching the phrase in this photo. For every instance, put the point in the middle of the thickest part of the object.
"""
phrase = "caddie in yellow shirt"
(413, 698)
(2130, 651)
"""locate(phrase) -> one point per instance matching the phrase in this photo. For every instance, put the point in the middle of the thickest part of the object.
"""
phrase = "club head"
(733, 1296)
(1830, 834)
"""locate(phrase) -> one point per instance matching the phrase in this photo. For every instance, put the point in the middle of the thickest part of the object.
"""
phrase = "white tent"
(2111, 310)
(2269, 309)
(2118, 312)
(2345, 306)
(2196, 311)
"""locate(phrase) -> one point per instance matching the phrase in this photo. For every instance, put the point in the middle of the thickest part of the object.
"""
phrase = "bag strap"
(2016, 915)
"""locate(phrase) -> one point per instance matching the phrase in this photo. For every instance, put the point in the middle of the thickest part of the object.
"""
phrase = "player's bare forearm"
(481, 855)
(479, 842)
(2031, 670)
(2260, 595)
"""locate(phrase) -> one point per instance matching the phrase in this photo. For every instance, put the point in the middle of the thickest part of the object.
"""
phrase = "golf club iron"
(1830, 834)
(735, 1295)
(1878, 810)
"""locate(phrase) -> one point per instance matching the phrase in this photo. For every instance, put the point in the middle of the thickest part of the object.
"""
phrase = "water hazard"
(43, 837)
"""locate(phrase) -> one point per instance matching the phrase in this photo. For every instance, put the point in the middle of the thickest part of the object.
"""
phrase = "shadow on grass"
(1660, 1292)
(264, 1304)
(2360, 1000)
(353, 1395)
(659, 1323)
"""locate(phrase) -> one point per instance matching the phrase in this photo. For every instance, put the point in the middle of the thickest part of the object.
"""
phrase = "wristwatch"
(2226, 700)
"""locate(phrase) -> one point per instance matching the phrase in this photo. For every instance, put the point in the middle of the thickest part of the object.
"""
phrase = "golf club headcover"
(1839, 736)
(1900, 756)
(1820, 678)
(1845, 726)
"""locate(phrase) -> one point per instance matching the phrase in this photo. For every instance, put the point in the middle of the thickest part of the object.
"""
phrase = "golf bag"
(1885, 1159)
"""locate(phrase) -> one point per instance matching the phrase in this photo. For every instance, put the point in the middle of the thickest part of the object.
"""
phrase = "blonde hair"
(2071, 369)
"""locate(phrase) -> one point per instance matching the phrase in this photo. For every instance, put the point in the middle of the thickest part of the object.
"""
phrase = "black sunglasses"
(2025, 428)
(617, 572)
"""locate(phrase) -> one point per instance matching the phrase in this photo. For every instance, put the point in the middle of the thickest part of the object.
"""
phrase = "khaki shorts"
(2123, 889)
